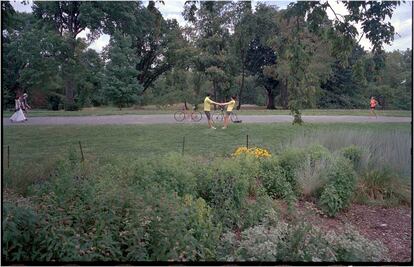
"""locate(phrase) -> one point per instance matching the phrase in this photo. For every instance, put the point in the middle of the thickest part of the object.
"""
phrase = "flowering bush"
(255, 151)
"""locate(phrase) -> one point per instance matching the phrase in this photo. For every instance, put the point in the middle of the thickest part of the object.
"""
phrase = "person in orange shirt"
(373, 104)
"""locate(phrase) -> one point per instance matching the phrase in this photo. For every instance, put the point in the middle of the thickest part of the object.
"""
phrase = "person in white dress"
(18, 116)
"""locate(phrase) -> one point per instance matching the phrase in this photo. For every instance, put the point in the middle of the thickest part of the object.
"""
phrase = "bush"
(354, 154)
(311, 178)
(230, 187)
(330, 200)
(99, 218)
(182, 230)
(290, 160)
(19, 227)
(341, 185)
(293, 160)
(300, 242)
(274, 180)
(382, 186)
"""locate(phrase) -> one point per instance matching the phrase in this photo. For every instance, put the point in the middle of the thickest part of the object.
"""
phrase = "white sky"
(401, 20)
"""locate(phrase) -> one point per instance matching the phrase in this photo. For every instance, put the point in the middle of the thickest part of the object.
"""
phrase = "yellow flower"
(256, 152)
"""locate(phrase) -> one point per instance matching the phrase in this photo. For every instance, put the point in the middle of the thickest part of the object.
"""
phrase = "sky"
(401, 20)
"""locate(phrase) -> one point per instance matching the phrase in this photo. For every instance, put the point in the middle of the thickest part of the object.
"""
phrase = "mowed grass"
(148, 110)
(34, 150)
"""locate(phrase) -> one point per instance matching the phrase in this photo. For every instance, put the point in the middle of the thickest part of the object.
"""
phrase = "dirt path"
(169, 118)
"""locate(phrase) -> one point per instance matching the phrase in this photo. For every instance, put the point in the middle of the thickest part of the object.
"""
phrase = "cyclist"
(230, 106)
(207, 109)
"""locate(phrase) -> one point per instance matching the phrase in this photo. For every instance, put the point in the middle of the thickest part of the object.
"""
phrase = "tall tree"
(211, 22)
(121, 83)
(69, 19)
(244, 28)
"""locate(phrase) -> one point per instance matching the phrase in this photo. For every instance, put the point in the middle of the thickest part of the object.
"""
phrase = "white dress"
(18, 116)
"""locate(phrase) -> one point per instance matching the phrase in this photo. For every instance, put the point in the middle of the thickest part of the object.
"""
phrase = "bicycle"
(182, 114)
(218, 115)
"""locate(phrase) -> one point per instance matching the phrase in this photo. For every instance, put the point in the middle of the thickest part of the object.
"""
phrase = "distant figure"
(18, 116)
(373, 104)
(23, 103)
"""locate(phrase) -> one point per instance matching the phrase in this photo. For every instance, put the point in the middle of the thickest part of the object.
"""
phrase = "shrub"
(290, 160)
(354, 154)
(182, 230)
(382, 186)
(341, 185)
(299, 242)
(330, 200)
(310, 175)
(100, 218)
(293, 160)
(19, 225)
(172, 172)
(317, 152)
(230, 187)
(350, 246)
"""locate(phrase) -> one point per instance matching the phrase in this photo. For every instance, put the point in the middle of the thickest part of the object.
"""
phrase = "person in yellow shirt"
(207, 108)
(230, 106)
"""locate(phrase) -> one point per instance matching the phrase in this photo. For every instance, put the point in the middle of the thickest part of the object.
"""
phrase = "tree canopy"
(279, 58)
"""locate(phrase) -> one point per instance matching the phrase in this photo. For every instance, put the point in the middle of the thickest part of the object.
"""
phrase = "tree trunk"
(70, 83)
(70, 90)
(270, 99)
(241, 89)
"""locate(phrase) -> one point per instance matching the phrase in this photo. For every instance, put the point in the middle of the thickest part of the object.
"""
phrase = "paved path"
(169, 118)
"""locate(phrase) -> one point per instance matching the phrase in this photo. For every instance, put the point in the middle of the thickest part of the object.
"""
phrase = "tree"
(121, 84)
(371, 14)
(243, 21)
(210, 22)
(68, 19)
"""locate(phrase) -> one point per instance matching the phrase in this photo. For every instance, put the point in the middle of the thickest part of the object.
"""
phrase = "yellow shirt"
(207, 103)
(231, 105)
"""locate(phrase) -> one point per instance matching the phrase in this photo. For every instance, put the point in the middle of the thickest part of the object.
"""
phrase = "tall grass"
(380, 149)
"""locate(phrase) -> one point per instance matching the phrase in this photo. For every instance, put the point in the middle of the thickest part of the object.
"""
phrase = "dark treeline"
(265, 56)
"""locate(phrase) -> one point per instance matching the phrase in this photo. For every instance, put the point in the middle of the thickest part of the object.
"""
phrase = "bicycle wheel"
(217, 116)
(233, 117)
(196, 116)
(179, 116)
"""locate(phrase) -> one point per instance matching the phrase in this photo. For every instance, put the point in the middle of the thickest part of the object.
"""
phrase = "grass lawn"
(101, 111)
(35, 149)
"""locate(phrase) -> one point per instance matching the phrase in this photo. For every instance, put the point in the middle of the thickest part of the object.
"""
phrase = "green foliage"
(276, 182)
(298, 242)
(121, 85)
(19, 231)
(354, 154)
(340, 188)
(290, 160)
(172, 172)
(380, 185)
(232, 192)
(330, 200)
(182, 230)
(297, 115)
(82, 215)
